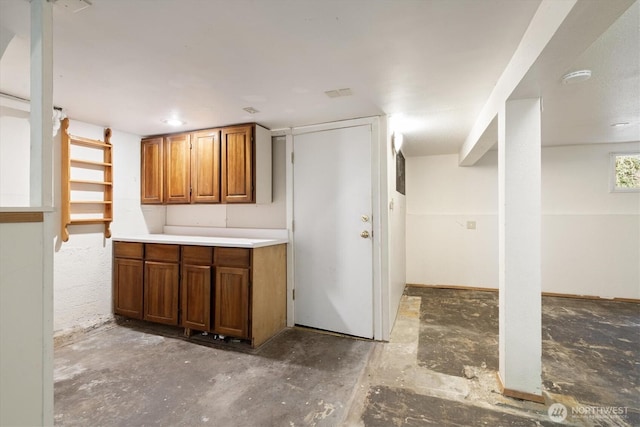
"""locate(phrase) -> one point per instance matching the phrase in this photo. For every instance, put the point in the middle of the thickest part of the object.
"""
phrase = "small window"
(625, 171)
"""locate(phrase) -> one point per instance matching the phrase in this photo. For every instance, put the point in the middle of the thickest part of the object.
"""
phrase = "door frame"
(379, 200)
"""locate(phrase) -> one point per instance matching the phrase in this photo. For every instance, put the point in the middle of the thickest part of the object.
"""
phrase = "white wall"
(26, 285)
(14, 156)
(271, 215)
(24, 360)
(590, 236)
(396, 225)
(441, 198)
(82, 265)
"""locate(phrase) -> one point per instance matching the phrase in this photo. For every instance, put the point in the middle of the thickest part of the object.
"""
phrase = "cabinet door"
(237, 164)
(161, 280)
(195, 297)
(151, 168)
(127, 287)
(177, 164)
(232, 302)
(205, 166)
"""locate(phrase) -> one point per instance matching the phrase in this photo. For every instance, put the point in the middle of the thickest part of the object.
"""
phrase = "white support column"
(41, 103)
(519, 195)
(41, 187)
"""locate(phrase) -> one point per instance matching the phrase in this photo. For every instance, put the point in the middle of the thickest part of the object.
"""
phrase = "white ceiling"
(584, 112)
(129, 64)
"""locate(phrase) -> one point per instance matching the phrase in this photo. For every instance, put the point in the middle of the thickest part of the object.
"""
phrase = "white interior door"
(333, 250)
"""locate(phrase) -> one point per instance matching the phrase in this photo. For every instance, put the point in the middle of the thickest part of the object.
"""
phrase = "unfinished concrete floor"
(439, 366)
(438, 369)
(121, 376)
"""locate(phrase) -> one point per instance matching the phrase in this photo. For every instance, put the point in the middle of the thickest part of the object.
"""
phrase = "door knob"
(364, 234)
(365, 218)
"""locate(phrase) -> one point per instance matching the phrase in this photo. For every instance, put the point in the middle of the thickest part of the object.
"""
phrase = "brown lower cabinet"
(128, 273)
(195, 287)
(161, 281)
(232, 301)
(237, 292)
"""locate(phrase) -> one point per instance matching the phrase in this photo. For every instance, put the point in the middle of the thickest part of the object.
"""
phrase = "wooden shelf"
(79, 164)
(91, 202)
(79, 221)
(86, 142)
(86, 181)
(89, 162)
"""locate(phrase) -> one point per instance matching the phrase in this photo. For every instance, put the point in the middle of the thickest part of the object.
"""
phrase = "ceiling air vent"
(337, 93)
(250, 110)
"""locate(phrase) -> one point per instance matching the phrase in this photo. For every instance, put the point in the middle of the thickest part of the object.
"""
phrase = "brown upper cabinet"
(177, 168)
(205, 166)
(238, 164)
(229, 165)
(151, 171)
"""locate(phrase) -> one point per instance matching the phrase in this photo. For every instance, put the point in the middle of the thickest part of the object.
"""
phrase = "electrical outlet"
(471, 225)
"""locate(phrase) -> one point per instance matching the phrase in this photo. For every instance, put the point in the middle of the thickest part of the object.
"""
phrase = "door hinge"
(294, 294)
(291, 157)
(190, 145)
(293, 226)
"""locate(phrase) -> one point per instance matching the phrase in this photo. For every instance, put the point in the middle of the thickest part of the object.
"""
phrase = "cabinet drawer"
(161, 252)
(197, 255)
(127, 250)
(232, 257)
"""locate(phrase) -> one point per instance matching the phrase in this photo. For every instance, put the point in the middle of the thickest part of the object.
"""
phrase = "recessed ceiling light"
(619, 124)
(250, 110)
(576, 77)
(174, 122)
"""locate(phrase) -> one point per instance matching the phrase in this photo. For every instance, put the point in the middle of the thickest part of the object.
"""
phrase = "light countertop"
(231, 242)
